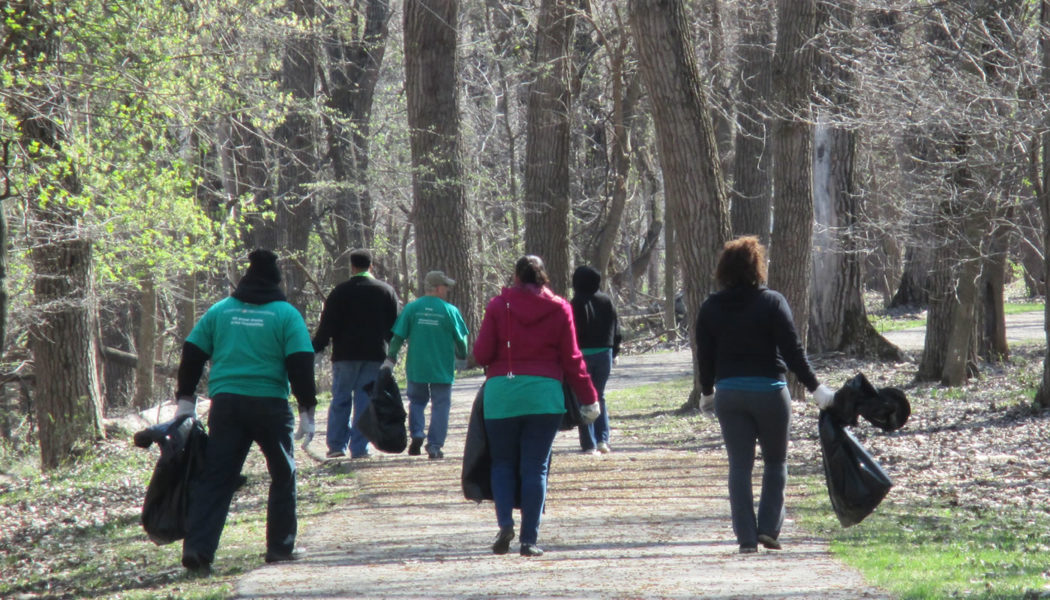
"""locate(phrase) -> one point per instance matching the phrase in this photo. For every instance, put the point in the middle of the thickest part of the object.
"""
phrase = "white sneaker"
(604, 448)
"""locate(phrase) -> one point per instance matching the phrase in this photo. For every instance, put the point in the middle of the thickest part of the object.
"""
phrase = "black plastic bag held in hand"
(383, 422)
(856, 483)
(182, 443)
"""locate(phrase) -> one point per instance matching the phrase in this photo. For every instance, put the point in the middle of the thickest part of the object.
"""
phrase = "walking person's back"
(357, 319)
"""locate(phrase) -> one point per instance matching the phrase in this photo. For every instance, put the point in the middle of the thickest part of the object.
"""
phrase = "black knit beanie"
(262, 266)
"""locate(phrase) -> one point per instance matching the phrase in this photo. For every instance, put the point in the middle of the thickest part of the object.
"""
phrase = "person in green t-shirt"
(437, 337)
(258, 346)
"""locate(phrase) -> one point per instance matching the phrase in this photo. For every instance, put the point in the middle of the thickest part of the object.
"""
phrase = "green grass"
(932, 552)
(884, 323)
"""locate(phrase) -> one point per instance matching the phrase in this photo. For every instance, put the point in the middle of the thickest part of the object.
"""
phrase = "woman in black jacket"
(598, 335)
(746, 343)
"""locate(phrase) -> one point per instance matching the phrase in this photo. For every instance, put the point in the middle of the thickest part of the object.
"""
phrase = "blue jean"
(440, 397)
(520, 449)
(349, 402)
(599, 366)
(744, 417)
(234, 422)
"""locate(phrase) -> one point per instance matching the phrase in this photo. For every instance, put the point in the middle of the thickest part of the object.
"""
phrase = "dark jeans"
(520, 448)
(234, 422)
(746, 417)
(599, 366)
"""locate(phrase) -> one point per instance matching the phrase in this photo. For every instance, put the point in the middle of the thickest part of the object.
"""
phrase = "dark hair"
(530, 269)
(361, 258)
(742, 263)
(262, 266)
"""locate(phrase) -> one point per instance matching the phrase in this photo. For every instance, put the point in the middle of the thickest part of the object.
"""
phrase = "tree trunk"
(296, 159)
(62, 334)
(752, 191)
(547, 142)
(440, 204)
(352, 76)
(145, 344)
(1041, 177)
(837, 300)
(697, 202)
(791, 240)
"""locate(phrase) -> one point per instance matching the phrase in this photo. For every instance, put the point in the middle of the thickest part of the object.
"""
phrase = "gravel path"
(637, 523)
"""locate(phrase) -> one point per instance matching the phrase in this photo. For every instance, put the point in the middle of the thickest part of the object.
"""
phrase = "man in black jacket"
(357, 318)
(598, 335)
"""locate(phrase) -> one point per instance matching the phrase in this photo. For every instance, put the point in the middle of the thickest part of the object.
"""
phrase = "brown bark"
(547, 143)
(145, 344)
(1041, 176)
(693, 183)
(440, 204)
(353, 72)
(791, 240)
(752, 190)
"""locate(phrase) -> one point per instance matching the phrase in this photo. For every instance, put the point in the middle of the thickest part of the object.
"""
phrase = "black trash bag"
(572, 417)
(886, 408)
(383, 422)
(856, 482)
(182, 443)
(476, 474)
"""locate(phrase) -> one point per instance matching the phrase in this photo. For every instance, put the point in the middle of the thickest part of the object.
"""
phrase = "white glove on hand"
(707, 404)
(590, 412)
(824, 397)
(461, 365)
(306, 427)
(388, 364)
(186, 406)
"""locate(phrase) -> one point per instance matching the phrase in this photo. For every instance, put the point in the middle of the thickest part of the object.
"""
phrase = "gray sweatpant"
(746, 417)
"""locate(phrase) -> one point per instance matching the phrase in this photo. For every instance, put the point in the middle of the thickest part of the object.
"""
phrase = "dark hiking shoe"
(768, 541)
(531, 550)
(335, 454)
(748, 549)
(413, 450)
(195, 564)
(295, 554)
(502, 542)
(435, 453)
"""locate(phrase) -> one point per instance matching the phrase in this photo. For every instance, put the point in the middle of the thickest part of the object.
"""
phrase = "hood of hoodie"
(529, 304)
(254, 290)
(586, 281)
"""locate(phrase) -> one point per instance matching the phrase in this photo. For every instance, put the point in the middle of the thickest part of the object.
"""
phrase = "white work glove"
(306, 427)
(388, 364)
(707, 404)
(824, 397)
(590, 412)
(186, 405)
(461, 365)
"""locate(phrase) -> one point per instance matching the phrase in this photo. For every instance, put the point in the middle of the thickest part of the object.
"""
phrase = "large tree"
(62, 339)
(697, 203)
(790, 263)
(547, 142)
(439, 210)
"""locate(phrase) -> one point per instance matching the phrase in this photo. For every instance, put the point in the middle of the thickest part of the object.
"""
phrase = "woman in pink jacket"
(527, 343)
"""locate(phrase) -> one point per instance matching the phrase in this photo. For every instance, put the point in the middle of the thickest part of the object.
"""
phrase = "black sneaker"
(435, 453)
(195, 563)
(413, 450)
(502, 542)
(295, 554)
(768, 541)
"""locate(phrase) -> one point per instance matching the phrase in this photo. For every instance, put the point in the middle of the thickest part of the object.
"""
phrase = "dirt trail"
(637, 523)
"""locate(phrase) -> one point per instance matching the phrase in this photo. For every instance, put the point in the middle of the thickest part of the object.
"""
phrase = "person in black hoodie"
(598, 335)
(358, 317)
(745, 343)
(257, 343)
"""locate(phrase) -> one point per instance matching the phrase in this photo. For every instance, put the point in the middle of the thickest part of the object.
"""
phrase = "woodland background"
(892, 147)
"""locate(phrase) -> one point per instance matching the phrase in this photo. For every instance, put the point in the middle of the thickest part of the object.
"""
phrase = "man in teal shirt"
(257, 344)
(436, 336)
